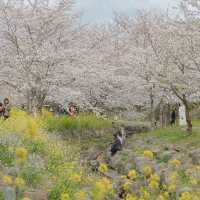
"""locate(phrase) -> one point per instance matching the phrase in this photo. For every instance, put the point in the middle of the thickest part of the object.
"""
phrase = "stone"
(195, 156)
(117, 163)
(131, 128)
(135, 129)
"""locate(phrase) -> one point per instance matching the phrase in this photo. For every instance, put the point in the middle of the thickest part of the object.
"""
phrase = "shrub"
(6, 157)
(32, 176)
(80, 123)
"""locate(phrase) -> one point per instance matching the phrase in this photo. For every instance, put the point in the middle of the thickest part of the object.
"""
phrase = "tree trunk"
(188, 115)
(29, 102)
(152, 116)
(184, 100)
(35, 101)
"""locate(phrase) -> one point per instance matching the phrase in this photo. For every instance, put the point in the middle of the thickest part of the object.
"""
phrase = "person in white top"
(182, 116)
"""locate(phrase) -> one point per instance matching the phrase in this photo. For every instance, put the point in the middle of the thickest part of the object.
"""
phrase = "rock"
(91, 154)
(112, 174)
(117, 163)
(195, 156)
(134, 129)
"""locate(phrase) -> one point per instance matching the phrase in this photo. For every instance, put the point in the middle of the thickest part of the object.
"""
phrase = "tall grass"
(80, 123)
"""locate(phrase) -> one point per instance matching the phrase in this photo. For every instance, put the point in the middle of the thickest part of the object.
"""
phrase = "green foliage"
(57, 190)
(6, 156)
(79, 123)
(1, 196)
(164, 158)
(177, 135)
(32, 176)
(35, 145)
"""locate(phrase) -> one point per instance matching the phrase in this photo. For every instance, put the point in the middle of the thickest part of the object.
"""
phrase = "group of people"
(5, 108)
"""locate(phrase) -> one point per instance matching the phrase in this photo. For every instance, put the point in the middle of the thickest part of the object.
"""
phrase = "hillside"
(55, 158)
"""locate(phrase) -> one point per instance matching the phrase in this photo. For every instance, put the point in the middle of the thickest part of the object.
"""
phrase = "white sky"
(95, 11)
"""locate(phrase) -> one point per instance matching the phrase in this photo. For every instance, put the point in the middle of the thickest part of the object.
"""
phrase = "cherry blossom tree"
(36, 47)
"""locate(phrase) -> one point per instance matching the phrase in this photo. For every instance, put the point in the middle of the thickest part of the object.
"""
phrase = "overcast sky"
(95, 11)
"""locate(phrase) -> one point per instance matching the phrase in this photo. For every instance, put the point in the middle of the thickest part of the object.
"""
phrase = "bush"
(6, 156)
(32, 176)
(80, 123)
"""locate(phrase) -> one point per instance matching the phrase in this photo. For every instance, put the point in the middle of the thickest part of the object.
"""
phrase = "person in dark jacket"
(7, 108)
(173, 117)
(118, 143)
(2, 110)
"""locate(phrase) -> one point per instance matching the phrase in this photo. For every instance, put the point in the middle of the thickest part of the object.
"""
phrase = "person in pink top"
(72, 110)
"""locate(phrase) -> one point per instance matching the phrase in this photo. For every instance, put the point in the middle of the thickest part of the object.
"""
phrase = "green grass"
(79, 123)
(177, 135)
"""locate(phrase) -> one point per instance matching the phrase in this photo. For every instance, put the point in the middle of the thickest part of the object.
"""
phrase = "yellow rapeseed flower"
(195, 197)
(126, 186)
(80, 195)
(145, 194)
(19, 182)
(186, 196)
(166, 195)
(132, 174)
(32, 128)
(7, 180)
(164, 187)
(147, 170)
(154, 177)
(189, 172)
(130, 197)
(193, 181)
(171, 188)
(198, 168)
(103, 187)
(173, 177)
(21, 153)
(153, 185)
(175, 163)
(103, 168)
(123, 177)
(148, 154)
(160, 197)
(64, 196)
(76, 178)
(107, 184)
